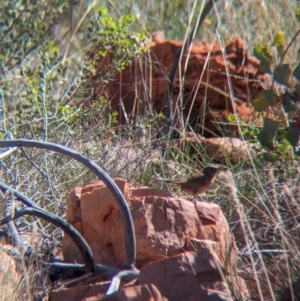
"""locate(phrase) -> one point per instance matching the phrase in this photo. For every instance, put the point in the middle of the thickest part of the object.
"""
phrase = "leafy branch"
(280, 133)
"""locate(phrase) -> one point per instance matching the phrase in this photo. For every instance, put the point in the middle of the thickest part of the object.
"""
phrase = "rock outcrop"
(221, 149)
(217, 81)
(184, 248)
(10, 280)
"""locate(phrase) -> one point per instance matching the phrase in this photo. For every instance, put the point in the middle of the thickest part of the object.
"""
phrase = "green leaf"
(266, 139)
(265, 66)
(297, 88)
(266, 136)
(298, 14)
(296, 72)
(269, 157)
(34, 91)
(102, 12)
(270, 96)
(102, 52)
(271, 125)
(292, 136)
(231, 118)
(283, 148)
(298, 52)
(282, 74)
(264, 55)
(260, 104)
(288, 105)
(279, 39)
(265, 98)
(122, 65)
(128, 19)
(52, 47)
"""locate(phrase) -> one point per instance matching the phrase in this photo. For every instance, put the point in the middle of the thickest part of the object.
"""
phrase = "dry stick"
(115, 275)
(107, 272)
(7, 153)
(34, 47)
(19, 195)
(116, 280)
(66, 227)
(16, 242)
(22, 198)
(169, 95)
(125, 212)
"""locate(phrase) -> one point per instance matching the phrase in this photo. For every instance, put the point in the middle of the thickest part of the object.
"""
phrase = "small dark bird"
(198, 183)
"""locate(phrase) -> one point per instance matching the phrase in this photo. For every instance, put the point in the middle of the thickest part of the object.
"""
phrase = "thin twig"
(180, 53)
(66, 227)
(130, 243)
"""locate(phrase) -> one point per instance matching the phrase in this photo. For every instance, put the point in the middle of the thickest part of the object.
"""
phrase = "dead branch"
(21, 197)
(67, 228)
(26, 201)
(125, 212)
(11, 225)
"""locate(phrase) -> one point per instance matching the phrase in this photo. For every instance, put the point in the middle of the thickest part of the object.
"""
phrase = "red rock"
(146, 292)
(142, 85)
(11, 285)
(100, 224)
(82, 292)
(189, 276)
(221, 149)
(287, 295)
(97, 291)
(164, 227)
(73, 202)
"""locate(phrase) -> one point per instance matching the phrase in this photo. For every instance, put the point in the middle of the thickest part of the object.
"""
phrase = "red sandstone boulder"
(221, 149)
(10, 280)
(288, 296)
(84, 292)
(166, 228)
(205, 92)
(189, 276)
(93, 211)
(96, 292)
